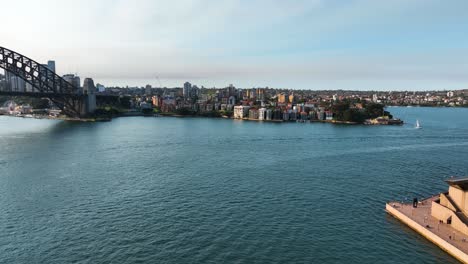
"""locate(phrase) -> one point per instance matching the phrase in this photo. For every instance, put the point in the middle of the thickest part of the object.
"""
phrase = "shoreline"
(139, 114)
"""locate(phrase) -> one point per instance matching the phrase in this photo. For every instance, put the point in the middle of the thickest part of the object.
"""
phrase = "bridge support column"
(90, 96)
(88, 104)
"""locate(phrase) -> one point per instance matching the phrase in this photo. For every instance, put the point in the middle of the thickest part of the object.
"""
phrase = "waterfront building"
(277, 114)
(241, 111)
(320, 115)
(156, 100)
(452, 207)
(269, 114)
(253, 113)
(313, 115)
(383, 120)
(328, 115)
(292, 115)
(285, 116)
(262, 113)
(168, 104)
(26, 109)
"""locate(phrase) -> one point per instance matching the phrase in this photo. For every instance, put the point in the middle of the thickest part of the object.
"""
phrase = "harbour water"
(199, 190)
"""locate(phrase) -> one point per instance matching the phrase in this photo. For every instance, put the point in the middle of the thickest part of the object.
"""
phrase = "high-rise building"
(232, 100)
(247, 94)
(148, 90)
(51, 65)
(195, 91)
(231, 90)
(73, 79)
(261, 94)
(156, 100)
(282, 98)
(29, 87)
(2, 82)
(7, 86)
(187, 89)
(17, 84)
(253, 93)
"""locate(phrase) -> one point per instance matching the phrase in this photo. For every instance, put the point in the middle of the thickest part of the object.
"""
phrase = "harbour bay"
(200, 190)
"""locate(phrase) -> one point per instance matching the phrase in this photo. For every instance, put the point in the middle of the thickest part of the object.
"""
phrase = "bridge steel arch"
(46, 83)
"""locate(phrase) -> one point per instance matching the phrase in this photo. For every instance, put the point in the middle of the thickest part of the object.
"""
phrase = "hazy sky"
(298, 44)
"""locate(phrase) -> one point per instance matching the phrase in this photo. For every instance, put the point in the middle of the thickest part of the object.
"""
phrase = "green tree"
(339, 109)
(42, 103)
(125, 102)
(374, 110)
(184, 111)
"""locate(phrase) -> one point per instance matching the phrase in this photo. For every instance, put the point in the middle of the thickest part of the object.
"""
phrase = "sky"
(295, 44)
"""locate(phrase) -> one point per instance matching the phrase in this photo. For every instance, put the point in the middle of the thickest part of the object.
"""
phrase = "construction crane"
(159, 81)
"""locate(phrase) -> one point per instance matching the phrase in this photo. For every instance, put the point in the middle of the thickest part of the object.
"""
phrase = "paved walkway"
(422, 215)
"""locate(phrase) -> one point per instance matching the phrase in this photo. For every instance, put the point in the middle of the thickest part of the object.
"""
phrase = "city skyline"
(317, 45)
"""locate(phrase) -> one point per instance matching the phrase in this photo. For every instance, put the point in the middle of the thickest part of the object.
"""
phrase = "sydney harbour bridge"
(45, 83)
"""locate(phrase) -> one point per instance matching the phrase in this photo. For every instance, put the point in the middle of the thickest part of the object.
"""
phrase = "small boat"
(418, 126)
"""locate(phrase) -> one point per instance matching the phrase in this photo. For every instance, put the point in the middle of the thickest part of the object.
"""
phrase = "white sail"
(417, 124)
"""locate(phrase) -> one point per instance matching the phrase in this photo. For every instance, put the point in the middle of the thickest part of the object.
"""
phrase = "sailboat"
(418, 126)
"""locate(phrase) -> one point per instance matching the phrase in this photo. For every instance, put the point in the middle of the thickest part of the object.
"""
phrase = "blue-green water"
(174, 190)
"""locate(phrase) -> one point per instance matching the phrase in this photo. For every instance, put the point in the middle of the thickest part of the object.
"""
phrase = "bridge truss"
(44, 81)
